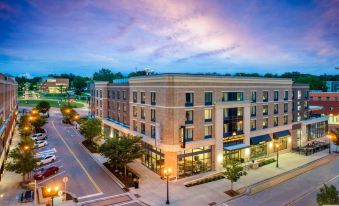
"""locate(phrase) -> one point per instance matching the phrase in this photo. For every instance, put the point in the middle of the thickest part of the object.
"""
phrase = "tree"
(68, 114)
(79, 84)
(22, 161)
(38, 122)
(121, 150)
(335, 140)
(233, 171)
(106, 75)
(328, 195)
(25, 126)
(91, 128)
(43, 106)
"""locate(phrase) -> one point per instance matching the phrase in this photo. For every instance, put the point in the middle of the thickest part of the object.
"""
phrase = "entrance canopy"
(236, 147)
(261, 138)
(281, 134)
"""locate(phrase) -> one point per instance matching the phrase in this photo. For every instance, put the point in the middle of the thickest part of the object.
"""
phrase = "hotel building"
(8, 107)
(193, 123)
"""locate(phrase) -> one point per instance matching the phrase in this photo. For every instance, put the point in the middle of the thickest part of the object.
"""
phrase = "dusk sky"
(52, 36)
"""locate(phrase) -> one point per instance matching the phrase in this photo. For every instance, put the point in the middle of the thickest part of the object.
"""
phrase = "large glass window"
(153, 158)
(208, 98)
(194, 161)
(232, 96)
(265, 96)
(276, 95)
(208, 131)
(233, 121)
(208, 115)
(259, 150)
(254, 96)
(282, 141)
(153, 98)
(189, 100)
(153, 115)
(265, 109)
(189, 117)
(316, 130)
(143, 97)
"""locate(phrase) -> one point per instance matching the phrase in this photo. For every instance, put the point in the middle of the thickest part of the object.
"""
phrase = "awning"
(280, 134)
(261, 138)
(236, 147)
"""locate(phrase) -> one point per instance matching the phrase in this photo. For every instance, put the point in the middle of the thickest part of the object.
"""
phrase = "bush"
(266, 162)
(205, 180)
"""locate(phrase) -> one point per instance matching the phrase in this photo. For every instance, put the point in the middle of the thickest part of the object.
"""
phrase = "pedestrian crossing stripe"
(46, 152)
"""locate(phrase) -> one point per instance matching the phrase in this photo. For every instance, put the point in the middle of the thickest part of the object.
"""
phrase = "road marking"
(292, 202)
(91, 195)
(105, 198)
(47, 152)
(76, 158)
(60, 173)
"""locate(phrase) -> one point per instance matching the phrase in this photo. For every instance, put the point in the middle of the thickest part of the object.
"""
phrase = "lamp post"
(52, 192)
(277, 148)
(329, 143)
(167, 173)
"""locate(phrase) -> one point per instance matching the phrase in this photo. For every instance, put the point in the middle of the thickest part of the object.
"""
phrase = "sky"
(40, 37)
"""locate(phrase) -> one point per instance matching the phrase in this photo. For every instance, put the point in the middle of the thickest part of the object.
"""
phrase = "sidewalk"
(153, 190)
(9, 185)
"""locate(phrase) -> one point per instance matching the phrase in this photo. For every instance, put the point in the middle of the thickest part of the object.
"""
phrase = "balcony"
(189, 104)
(265, 100)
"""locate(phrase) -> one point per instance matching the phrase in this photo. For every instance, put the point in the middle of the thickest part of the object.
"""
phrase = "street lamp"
(34, 111)
(277, 148)
(329, 143)
(52, 192)
(68, 111)
(167, 173)
(26, 147)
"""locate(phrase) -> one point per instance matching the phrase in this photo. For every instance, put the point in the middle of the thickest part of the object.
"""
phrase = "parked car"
(39, 136)
(27, 196)
(40, 143)
(46, 173)
(46, 159)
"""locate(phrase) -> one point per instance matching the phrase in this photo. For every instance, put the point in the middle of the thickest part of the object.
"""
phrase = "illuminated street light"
(52, 191)
(277, 147)
(167, 173)
(26, 147)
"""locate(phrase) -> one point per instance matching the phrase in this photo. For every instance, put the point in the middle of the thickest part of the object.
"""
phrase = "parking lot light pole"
(167, 173)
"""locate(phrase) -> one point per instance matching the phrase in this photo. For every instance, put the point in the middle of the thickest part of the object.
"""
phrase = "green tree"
(121, 150)
(22, 161)
(43, 106)
(335, 138)
(328, 195)
(91, 129)
(106, 75)
(68, 114)
(233, 171)
(79, 84)
(38, 122)
(25, 126)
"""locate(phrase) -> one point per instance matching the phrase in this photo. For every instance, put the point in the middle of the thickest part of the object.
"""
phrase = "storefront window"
(153, 158)
(194, 161)
(282, 143)
(316, 130)
(259, 150)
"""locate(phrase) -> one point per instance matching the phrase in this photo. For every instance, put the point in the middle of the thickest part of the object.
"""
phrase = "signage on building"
(234, 138)
(182, 136)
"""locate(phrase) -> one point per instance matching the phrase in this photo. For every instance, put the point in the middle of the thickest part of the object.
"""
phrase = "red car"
(46, 173)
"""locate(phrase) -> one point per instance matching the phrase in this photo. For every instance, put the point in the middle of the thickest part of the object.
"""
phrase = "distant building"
(55, 86)
(329, 101)
(8, 107)
(332, 86)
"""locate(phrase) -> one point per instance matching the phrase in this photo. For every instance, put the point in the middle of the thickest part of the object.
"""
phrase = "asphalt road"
(87, 179)
(300, 191)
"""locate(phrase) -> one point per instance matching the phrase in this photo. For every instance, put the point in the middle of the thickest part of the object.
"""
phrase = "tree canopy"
(328, 195)
(233, 171)
(43, 106)
(106, 75)
(91, 128)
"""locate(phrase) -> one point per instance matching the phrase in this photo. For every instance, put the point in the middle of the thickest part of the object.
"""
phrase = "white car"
(39, 136)
(46, 159)
(40, 143)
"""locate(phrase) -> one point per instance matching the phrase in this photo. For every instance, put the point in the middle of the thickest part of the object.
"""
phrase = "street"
(299, 191)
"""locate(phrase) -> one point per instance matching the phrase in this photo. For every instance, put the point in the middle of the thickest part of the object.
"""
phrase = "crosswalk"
(46, 152)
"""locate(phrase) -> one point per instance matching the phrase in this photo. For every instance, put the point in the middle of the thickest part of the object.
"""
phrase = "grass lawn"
(52, 102)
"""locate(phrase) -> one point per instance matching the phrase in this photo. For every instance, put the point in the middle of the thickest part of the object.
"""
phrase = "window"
(319, 98)
(299, 94)
(108, 94)
(285, 107)
(189, 117)
(153, 98)
(276, 95)
(286, 95)
(240, 111)
(152, 131)
(189, 134)
(265, 109)
(118, 94)
(97, 91)
(100, 93)
(118, 106)
(232, 96)
(285, 119)
(135, 111)
(100, 103)
(336, 98)
(306, 104)
(265, 96)
(208, 115)
(265, 123)
(254, 96)
(306, 94)
(189, 99)
(113, 94)
(327, 98)
(124, 107)
(276, 108)
(142, 98)
(276, 121)
(331, 108)
(311, 98)
(253, 111)
(142, 112)
(124, 95)
(153, 115)
(208, 98)
(208, 132)
(142, 128)
(135, 97)
(135, 125)
(253, 124)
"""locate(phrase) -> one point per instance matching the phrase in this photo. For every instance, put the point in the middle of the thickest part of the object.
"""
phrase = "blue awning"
(236, 147)
(280, 134)
(261, 138)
